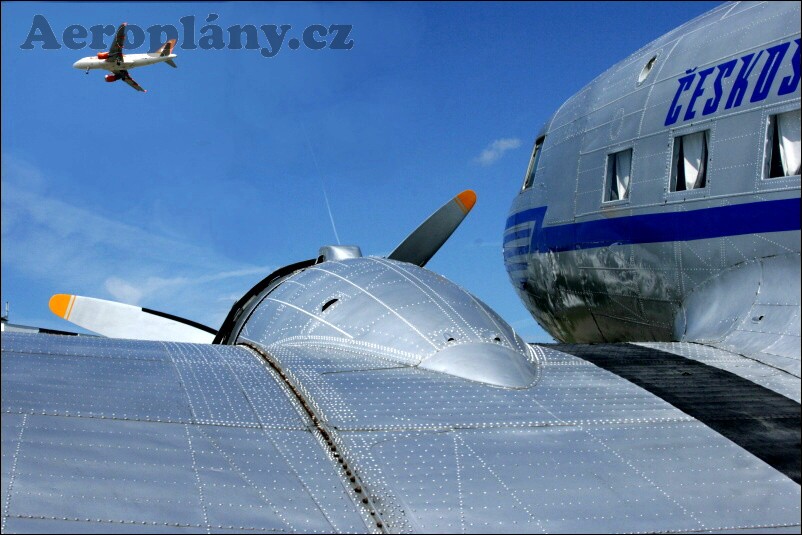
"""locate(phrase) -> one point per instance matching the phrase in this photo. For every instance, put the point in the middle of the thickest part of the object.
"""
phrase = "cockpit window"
(689, 161)
(530, 172)
(783, 145)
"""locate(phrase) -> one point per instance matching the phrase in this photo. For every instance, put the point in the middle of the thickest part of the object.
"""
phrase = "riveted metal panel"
(582, 450)
(665, 476)
(399, 313)
(193, 438)
(771, 377)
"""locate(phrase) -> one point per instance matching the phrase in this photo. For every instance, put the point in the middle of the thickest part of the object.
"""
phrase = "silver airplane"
(661, 202)
(115, 61)
(364, 394)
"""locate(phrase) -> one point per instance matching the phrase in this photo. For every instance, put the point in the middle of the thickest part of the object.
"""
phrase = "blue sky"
(182, 198)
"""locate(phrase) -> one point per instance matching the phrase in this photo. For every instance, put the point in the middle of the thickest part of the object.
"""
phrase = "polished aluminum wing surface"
(368, 395)
(583, 450)
(130, 436)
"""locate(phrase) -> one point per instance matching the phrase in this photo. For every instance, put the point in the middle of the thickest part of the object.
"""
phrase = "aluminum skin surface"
(659, 265)
(397, 311)
(121, 435)
(124, 435)
(350, 394)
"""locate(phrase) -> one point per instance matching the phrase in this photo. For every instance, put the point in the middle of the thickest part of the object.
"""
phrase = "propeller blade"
(426, 240)
(118, 320)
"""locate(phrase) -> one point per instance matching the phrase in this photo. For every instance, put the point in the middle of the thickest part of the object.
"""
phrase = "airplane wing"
(125, 77)
(306, 435)
(116, 50)
(119, 435)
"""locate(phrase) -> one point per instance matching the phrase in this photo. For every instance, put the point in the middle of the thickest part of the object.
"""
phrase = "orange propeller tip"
(466, 199)
(60, 305)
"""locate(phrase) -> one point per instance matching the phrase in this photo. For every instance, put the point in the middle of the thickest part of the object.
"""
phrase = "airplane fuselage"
(128, 61)
(662, 201)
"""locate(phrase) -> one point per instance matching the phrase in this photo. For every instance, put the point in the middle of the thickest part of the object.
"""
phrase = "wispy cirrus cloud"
(68, 248)
(496, 150)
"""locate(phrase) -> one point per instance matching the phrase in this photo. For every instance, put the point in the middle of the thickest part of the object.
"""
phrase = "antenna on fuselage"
(322, 185)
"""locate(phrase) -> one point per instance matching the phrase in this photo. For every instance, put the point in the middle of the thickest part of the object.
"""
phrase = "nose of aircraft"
(77, 64)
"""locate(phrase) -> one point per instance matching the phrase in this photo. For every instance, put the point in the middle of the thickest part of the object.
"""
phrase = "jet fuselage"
(129, 61)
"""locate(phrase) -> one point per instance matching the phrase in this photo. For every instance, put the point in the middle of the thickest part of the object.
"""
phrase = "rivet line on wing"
(350, 478)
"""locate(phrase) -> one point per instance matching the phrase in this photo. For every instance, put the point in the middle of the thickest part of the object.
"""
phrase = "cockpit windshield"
(532, 169)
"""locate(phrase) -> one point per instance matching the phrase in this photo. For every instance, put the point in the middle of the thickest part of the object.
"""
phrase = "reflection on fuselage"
(701, 195)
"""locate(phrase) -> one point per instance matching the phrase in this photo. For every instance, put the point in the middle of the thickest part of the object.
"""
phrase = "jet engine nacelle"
(112, 77)
(103, 55)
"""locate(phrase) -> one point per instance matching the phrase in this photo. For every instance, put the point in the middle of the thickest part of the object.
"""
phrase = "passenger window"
(782, 145)
(530, 172)
(619, 174)
(689, 161)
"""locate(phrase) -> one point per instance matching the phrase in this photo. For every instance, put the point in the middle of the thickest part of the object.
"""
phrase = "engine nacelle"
(417, 318)
(103, 55)
(112, 77)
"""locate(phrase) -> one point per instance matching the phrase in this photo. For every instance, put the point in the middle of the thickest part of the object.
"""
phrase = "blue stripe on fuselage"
(748, 218)
(516, 235)
(516, 251)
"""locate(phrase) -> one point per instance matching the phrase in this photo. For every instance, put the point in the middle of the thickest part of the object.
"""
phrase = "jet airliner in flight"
(115, 61)
(658, 218)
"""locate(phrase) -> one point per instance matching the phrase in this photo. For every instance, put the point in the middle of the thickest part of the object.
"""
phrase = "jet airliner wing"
(125, 77)
(116, 50)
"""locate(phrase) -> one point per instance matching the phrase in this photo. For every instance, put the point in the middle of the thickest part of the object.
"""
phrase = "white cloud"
(123, 291)
(496, 150)
(70, 249)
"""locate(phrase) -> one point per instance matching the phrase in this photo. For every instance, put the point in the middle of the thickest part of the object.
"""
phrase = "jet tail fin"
(167, 48)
